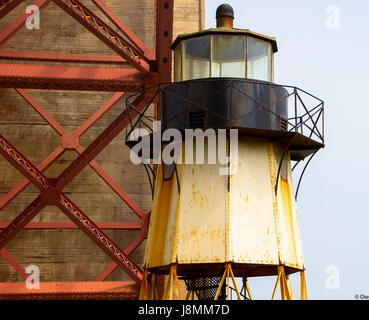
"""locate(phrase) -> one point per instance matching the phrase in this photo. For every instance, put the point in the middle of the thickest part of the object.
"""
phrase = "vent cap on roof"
(225, 16)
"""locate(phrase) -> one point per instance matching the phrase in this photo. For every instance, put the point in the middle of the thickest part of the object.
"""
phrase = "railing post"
(294, 91)
(323, 121)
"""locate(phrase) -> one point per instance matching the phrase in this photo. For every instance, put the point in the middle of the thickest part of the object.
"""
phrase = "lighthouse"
(235, 215)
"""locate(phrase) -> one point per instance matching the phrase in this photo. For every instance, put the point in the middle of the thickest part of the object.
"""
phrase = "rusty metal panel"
(252, 224)
(200, 236)
(290, 246)
(295, 219)
(188, 227)
(160, 241)
(201, 222)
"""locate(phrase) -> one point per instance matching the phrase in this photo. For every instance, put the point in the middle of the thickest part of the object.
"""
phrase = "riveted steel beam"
(164, 35)
(88, 58)
(70, 78)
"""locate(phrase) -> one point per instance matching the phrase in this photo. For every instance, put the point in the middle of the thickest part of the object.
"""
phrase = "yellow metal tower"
(225, 206)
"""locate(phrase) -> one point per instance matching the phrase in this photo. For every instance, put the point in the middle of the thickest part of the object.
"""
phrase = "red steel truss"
(139, 68)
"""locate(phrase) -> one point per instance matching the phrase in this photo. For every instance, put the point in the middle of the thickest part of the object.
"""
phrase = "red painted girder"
(98, 144)
(19, 22)
(8, 5)
(111, 38)
(70, 290)
(61, 57)
(164, 35)
(164, 11)
(70, 77)
(51, 196)
(71, 225)
(124, 28)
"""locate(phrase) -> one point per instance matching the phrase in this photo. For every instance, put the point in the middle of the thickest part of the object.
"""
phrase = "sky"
(323, 49)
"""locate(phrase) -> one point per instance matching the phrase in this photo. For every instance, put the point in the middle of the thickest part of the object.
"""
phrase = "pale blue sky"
(333, 198)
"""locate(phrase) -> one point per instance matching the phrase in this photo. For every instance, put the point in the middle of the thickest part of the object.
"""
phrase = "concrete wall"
(68, 255)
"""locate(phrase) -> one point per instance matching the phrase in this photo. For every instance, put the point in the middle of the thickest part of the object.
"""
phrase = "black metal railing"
(305, 111)
(306, 119)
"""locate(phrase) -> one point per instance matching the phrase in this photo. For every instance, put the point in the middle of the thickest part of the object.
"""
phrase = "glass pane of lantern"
(259, 57)
(178, 63)
(229, 56)
(196, 62)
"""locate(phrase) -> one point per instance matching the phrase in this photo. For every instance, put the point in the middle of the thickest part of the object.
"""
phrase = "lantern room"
(224, 52)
